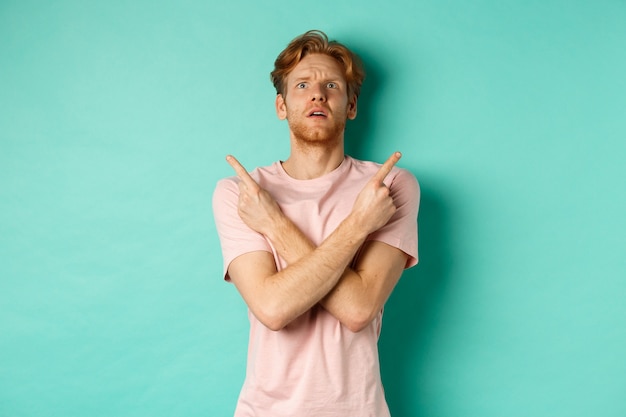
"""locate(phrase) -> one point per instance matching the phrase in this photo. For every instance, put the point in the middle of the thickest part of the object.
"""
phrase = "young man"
(315, 244)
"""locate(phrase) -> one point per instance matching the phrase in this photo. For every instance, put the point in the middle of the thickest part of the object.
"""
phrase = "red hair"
(316, 42)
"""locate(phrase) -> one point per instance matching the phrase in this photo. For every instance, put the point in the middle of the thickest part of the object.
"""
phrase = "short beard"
(318, 138)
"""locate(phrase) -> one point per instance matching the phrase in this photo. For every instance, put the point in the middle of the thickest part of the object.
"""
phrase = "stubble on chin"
(312, 137)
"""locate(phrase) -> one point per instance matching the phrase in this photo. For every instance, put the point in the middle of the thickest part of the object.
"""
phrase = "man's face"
(315, 102)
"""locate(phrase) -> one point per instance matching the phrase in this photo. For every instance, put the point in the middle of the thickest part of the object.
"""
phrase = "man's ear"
(352, 108)
(281, 108)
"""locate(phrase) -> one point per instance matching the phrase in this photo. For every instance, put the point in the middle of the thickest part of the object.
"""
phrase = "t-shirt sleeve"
(236, 238)
(401, 230)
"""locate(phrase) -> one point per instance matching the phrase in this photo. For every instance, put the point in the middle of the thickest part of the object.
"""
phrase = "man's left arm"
(363, 290)
(367, 283)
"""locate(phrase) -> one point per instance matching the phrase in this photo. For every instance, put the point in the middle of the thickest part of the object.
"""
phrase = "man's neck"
(309, 162)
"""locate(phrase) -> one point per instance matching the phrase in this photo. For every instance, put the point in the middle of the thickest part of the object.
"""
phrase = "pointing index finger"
(241, 171)
(385, 169)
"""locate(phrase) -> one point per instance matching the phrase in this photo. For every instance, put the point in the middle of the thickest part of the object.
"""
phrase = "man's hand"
(257, 208)
(374, 206)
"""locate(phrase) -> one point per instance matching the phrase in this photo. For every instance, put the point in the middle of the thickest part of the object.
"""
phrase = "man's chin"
(318, 141)
(318, 137)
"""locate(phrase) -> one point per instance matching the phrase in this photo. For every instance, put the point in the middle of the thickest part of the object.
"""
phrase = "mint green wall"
(114, 120)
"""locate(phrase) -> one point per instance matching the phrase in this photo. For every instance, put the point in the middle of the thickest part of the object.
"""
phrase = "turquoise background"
(115, 118)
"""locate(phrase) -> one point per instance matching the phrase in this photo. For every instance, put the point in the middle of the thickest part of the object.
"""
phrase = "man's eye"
(301, 85)
(331, 85)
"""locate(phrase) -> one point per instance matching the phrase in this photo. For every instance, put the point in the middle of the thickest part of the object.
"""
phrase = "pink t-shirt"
(314, 366)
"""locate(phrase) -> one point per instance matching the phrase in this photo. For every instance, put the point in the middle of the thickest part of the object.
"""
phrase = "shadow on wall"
(410, 319)
(411, 311)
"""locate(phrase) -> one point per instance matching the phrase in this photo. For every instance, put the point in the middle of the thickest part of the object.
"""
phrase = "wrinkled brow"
(333, 79)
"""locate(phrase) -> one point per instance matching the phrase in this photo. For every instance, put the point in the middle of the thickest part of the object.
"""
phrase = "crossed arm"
(317, 274)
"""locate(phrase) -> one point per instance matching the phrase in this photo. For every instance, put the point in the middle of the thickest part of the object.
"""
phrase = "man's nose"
(318, 93)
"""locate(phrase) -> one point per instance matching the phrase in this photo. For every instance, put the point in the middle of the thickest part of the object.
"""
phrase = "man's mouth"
(317, 113)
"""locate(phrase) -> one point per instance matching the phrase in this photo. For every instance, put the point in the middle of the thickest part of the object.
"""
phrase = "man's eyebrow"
(325, 80)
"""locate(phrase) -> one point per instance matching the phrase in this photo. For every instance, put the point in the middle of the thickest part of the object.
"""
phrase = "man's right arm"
(278, 297)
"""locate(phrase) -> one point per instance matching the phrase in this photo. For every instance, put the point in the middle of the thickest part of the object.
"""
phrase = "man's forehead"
(317, 65)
